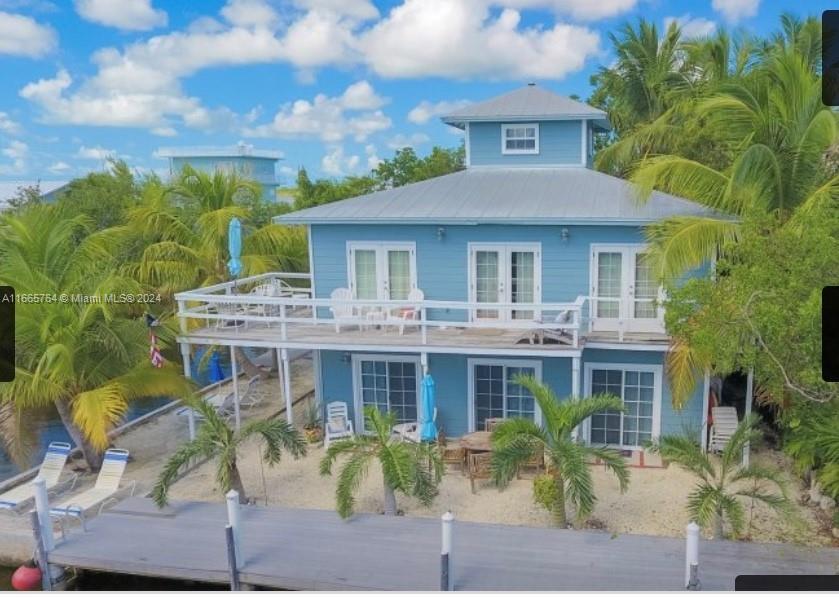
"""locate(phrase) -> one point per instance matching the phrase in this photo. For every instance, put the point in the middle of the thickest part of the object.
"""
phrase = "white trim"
(467, 146)
(470, 385)
(318, 372)
(357, 358)
(583, 152)
(657, 372)
(653, 346)
(381, 248)
(506, 152)
(504, 250)
(706, 398)
(311, 259)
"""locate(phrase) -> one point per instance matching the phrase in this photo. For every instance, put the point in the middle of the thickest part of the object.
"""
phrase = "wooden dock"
(315, 550)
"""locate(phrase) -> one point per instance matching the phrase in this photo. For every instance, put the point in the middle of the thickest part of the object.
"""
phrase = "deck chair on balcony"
(108, 484)
(50, 472)
(342, 309)
(408, 313)
(723, 427)
(338, 423)
(554, 331)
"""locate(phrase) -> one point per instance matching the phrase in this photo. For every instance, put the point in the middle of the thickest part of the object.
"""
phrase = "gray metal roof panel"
(513, 195)
(526, 102)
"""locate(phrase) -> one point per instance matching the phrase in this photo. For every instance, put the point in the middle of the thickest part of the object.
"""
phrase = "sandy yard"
(653, 505)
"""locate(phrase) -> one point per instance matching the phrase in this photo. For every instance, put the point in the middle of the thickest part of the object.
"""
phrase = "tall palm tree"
(217, 440)
(184, 228)
(516, 441)
(87, 358)
(721, 483)
(414, 469)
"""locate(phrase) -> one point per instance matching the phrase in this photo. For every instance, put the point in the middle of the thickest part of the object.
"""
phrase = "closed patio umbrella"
(428, 429)
(216, 373)
(234, 246)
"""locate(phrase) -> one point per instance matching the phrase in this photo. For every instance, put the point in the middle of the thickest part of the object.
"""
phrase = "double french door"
(624, 291)
(381, 271)
(504, 273)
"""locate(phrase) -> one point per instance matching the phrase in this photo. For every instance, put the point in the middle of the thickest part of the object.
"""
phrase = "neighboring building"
(259, 165)
(49, 189)
(529, 261)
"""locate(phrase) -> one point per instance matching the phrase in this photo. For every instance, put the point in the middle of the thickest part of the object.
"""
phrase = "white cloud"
(23, 36)
(321, 38)
(353, 114)
(7, 125)
(356, 9)
(336, 163)
(164, 131)
(461, 39)
(95, 153)
(399, 141)
(17, 152)
(425, 110)
(692, 27)
(373, 160)
(586, 10)
(250, 13)
(59, 167)
(128, 15)
(736, 10)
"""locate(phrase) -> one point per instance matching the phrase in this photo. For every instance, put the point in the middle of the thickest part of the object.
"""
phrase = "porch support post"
(318, 380)
(750, 387)
(575, 388)
(235, 373)
(424, 363)
(706, 391)
(185, 356)
(287, 386)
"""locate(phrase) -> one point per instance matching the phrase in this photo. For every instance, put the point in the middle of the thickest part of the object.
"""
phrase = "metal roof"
(529, 102)
(240, 150)
(570, 195)
(8, 189)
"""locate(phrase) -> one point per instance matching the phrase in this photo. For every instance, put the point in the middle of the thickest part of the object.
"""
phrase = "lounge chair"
(50, 471)
(108, 483)
(723, 426)
(342, 309)
(338, 424)
(554, 329)
(410, 312)
(410, 430)
(249, 398)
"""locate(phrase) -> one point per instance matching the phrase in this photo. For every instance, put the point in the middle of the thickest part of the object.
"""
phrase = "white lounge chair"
(249, 399)
(50, 471)
(554, 329)
(408, 313)
(108, 483)
(725, 423)
(410, 431)
(342, 309)
(338, 424)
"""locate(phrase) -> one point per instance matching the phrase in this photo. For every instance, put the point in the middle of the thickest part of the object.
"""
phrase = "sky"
(333, 85)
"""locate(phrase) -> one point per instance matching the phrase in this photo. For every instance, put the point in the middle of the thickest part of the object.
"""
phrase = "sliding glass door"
(639, 388)
(493, 392)
(388, 383)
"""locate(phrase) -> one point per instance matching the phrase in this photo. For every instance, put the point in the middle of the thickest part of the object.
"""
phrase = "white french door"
(381, 271)
(624, 291)
(508, 273)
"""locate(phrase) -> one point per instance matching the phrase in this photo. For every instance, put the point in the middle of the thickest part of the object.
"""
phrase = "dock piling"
(231, 558)
(446, 578)
(234, 520)
(42, 508)
(692, 555)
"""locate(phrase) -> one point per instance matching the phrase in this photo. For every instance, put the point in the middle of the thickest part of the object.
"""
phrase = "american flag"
(154, 352)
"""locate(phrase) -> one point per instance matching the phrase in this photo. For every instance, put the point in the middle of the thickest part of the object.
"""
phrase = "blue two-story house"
(528, 261)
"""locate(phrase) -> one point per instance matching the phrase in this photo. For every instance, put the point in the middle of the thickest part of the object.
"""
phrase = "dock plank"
(315, 550)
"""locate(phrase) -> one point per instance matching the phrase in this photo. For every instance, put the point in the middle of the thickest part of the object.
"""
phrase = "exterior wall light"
(564, 234)
(441, 233)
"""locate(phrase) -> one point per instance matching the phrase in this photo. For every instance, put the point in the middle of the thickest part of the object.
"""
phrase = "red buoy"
(27, 577)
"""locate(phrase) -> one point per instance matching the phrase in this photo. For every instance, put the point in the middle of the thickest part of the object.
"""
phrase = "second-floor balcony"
(278, 309)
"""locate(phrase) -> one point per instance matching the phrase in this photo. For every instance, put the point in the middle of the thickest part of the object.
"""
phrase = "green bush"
(544, 491)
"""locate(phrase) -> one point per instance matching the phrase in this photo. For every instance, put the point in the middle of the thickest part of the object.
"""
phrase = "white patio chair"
(342, 309)
(408, 313)
(338, 424)
(725, 423)
(555, 332)
(249, 398)
(50, 471)
(108, 483)
(409, 431)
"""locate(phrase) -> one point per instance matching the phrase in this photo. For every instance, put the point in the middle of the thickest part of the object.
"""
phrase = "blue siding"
(559, 143)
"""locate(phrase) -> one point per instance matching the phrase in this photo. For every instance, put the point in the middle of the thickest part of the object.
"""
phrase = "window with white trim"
(635, 425)
(520, 139)
(385, 271)
(391, 384)
(495, 394)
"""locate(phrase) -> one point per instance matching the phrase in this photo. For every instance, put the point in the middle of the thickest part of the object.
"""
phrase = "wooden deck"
(315, 550)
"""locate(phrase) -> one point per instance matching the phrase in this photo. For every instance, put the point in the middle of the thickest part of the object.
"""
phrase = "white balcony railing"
(284, 301)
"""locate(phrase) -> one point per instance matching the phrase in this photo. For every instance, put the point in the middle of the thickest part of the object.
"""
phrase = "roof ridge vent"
(531, 84)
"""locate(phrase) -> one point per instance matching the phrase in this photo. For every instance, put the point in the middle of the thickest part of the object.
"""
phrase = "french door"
(624, 291)
(509, 273)
(381, 271)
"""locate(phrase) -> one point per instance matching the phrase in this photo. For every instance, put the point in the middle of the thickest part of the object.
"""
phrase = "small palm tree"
(721, 483)
(410, 468)
(516, 441)
(216, 439)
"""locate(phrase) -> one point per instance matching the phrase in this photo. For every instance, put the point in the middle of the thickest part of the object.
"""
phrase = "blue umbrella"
(428, 429)
(234, 245)
(216, 373)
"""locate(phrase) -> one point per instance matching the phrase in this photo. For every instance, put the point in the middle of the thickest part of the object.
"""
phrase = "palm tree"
(414, 469)
(516, 441)
(184, 229)
(217, 440)
(721, 483)
(87, 358)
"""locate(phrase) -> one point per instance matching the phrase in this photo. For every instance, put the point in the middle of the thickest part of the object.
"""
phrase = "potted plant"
(312, 428)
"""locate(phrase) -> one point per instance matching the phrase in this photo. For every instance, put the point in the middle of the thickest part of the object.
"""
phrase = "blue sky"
(334, 85)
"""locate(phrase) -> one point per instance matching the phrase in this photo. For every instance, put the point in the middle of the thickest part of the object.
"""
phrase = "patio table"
(476, 442)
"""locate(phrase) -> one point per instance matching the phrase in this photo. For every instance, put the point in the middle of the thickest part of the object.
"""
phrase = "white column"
(750, 387)
(691, 549)
(235, 373)
(318, 378)
(287, 386)
(575, 388)
(234, 519)
(706, 391)
(446, 573)
(424, 363)
(42, 507)
(185, 356)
